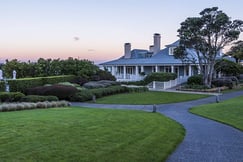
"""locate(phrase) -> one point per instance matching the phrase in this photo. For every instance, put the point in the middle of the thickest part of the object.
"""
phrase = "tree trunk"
(205, 76)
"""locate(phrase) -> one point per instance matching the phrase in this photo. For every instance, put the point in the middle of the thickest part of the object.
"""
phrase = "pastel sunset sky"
(94, 29)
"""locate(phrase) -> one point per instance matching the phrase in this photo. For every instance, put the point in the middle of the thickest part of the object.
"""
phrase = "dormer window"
(171, 50)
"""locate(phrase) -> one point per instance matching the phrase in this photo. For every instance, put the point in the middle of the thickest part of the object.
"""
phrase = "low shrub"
(88, 94)
(81, 96)
(20, 85)
(37, 98)
(11, 96)
(232, 78)
(100, 92)
(195, 86)
(100, 84)
(195, 80)
(137, 89)
(159, 76)
(61, 91)
(223, 82)
(137, 83)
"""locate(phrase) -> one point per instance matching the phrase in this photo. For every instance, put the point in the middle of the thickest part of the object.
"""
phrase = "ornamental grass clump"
(54, 104)
(48, 104)
(26, 105)
(20, 106)
(4, 107)
(12, 107)
(29, 105)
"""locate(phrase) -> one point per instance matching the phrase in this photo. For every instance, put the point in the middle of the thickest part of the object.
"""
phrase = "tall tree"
(236, 51)
(207, 35)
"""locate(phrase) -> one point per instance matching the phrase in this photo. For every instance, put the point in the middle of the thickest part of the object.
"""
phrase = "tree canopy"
(236, 51)
(207, 35)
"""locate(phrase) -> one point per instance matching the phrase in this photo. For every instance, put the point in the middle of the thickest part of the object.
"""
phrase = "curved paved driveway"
(205, 140)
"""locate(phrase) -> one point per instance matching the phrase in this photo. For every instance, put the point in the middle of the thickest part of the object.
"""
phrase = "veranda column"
(142, 68)
(124, 72)
(190, 70)
(136, 73)
(172, 69)
(113, 70)
(136, 70)
(156, 68)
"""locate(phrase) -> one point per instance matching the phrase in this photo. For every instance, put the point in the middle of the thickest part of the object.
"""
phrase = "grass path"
(82, 134)
(229, 112)
(148, 98)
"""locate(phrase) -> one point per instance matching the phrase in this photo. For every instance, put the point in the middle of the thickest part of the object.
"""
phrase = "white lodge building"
(137, 63)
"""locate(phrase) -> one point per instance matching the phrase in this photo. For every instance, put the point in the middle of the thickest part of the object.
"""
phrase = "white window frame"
(171, 50)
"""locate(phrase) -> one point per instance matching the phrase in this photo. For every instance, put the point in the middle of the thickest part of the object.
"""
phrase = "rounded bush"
(159, 76)
(81, 96)
(195, 80)
(223, 82)
(60, 91)
(11, 96)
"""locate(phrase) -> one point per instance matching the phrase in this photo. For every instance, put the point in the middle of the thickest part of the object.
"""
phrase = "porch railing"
(168, 84)
(129, 77)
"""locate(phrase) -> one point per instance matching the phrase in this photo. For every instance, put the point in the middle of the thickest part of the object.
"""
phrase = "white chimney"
(127, 50)
(156, 43)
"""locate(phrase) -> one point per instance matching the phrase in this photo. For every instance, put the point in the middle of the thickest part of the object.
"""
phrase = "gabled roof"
(144, 57)
(175, 44)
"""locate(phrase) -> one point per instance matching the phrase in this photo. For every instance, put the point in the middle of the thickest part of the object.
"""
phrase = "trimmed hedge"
(159, 76)
(60, 91)
(21, 85)
(88, 94)
(100, 92)
(37, 98)
(82, 96)
(137, 83)
(100, 84)
(137, 89)
(2, 86)
(11, 96)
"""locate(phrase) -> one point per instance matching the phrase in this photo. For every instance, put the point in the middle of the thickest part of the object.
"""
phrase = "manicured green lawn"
(229, 112)
(147, 98)
(82, 134)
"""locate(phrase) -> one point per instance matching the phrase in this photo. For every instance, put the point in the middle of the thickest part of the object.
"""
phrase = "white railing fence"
(168, 84)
